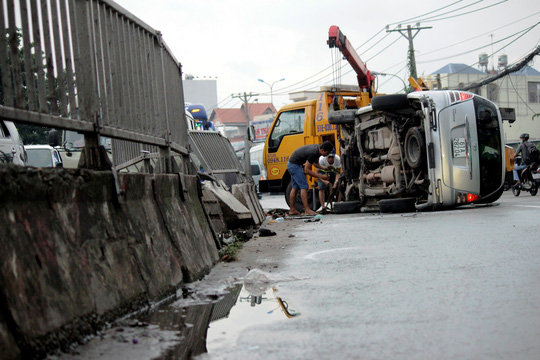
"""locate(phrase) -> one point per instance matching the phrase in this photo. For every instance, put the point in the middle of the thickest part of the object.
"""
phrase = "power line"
(483, 46)
(475, 37)
(279, 91)
(470, 66)
(505, 72)
(410, 37)
(431, 12)
(458, 15)
(518, 94)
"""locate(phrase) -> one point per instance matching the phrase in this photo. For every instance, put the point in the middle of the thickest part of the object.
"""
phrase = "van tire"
(347, 207)
(415, 147)
(342, 117)
(390, 102)
(399, 205)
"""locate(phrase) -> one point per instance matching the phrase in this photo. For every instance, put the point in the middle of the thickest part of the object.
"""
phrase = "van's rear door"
(459, 147)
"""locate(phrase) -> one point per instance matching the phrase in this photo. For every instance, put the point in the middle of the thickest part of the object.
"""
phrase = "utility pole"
(410, 37)
(247, 158)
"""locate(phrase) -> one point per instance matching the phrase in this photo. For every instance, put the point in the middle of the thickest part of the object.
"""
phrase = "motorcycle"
(530, 180)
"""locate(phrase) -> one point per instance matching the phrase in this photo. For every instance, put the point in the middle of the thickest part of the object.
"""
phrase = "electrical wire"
(230, 98)
(481, 47)
(509, 77)
(337, 70)
(458, 15)
(280, 91)
(431, 12)
(470, 66)
(475, 37)
(334, 72)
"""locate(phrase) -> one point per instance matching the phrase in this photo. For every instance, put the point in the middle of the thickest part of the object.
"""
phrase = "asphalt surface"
(459, 284)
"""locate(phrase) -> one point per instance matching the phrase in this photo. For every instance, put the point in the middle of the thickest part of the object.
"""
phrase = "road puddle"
(248, 310)
(193, 323)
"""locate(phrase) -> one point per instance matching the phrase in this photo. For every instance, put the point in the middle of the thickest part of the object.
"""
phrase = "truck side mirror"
(53, 138)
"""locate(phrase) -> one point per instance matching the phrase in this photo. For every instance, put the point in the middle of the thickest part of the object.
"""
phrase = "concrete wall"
(75, 256)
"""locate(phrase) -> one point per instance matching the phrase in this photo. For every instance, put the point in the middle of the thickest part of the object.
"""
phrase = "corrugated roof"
(466, 69)
(526, 70)
(458, 68)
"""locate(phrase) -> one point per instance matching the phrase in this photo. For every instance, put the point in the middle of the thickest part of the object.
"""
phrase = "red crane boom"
(336, 39)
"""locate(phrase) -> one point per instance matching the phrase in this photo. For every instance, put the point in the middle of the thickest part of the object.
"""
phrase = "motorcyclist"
(522, 148)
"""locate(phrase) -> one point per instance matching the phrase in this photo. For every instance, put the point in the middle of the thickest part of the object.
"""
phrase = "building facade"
(200, 91)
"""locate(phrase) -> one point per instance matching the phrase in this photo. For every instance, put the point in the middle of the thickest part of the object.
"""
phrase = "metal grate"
(215, 152)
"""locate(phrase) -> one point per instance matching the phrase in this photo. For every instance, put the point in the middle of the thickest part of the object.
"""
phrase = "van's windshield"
(490, 146)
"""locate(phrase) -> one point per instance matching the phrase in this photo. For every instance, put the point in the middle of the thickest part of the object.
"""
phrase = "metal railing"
(92, 67)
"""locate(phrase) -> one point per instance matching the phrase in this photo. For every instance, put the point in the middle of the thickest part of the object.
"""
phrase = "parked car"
(11, 145)
(43, 156)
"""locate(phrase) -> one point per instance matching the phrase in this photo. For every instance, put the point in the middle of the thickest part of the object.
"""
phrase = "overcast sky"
(240, 41)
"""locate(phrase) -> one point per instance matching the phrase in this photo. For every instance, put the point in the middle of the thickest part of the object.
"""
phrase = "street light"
(384, 74)
(271, 87)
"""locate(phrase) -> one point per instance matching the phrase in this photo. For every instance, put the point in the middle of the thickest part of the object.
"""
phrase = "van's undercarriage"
(383, 152)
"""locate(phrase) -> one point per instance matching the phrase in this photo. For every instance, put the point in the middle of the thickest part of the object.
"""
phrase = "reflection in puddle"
(249, 310)
(191, 325)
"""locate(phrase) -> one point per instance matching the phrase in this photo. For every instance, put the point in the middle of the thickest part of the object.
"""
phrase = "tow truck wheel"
(414, 147)
(299, 205)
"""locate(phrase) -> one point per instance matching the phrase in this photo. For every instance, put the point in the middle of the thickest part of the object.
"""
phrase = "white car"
(43, 156)
(257, 172)
(11, 145)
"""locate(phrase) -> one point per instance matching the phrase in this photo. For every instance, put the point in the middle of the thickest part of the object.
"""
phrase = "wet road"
(460, 284)
(444, 285)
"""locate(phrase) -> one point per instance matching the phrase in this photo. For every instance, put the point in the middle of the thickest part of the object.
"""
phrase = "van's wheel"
(516, 190)
(399, 205)
(534, 188)
(347, 207)
(414, 147)
(390, 102)
(299, 205)
(342, 116)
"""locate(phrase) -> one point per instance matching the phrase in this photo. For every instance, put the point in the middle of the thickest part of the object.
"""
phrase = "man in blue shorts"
(299, 165)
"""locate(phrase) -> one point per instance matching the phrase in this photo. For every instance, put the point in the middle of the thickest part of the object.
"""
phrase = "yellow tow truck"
(306, 122)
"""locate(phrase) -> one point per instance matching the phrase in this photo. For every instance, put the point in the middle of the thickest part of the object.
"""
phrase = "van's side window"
(4, 132)
(289, 122)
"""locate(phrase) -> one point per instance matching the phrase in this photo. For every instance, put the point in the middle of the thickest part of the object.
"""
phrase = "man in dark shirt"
(300, 163)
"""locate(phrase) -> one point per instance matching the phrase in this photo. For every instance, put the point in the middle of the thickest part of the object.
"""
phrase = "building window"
(534, 92)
